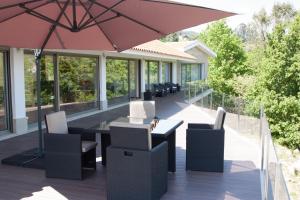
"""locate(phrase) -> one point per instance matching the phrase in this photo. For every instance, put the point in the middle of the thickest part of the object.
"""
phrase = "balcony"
(240, 180)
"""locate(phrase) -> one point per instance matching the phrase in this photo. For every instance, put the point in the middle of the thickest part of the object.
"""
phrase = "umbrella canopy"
(95, 24)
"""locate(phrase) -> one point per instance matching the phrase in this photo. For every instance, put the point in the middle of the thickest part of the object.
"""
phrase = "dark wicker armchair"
(67, 150)
(135, 170)
(205, 145)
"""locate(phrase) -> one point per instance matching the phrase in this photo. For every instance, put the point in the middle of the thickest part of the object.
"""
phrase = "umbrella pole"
(40, 152)
(38, 57)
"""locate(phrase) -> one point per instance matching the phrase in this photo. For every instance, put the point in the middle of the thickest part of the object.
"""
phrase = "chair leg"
(89, 159)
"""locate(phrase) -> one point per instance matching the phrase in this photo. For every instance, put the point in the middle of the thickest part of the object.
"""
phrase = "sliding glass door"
(47, 86)
(3, 115)
(121, 80)
(190, 72)
(77, 83)
(151, 74)
(133, 78)
(166, 72)
(67, 83)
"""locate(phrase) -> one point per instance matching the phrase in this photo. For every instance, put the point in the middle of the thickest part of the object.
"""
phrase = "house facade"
(83, 82)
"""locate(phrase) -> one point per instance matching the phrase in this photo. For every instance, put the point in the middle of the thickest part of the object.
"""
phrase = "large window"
(47, 86)
(190, 72)
(3, 93)
(121, 80)
(166, 72)
(77, 83)
(133, 74)
(151, 74)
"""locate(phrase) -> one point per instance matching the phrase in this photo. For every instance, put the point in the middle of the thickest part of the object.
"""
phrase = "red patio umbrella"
(93, 25)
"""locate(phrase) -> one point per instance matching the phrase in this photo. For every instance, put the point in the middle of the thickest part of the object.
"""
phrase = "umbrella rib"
(53, 27)
(130, 18)
(74, 15)
(183, 4)
(102, 13)
(43, 17)
(16, 15)
(99, 22)
(17, 4)
(85, 14)
(108, 38)
(66, 16)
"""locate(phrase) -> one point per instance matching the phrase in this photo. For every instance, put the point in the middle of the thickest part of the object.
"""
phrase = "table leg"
(105, 142)
(172, 151)
(171, 139)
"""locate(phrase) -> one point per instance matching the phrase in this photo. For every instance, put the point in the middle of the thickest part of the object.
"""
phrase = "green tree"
(262, 21)
(173, 37)
(230, 60)
(278, 83)
(283, 13)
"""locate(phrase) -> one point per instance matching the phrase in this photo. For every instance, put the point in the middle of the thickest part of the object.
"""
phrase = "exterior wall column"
(102, 76)
(174, 72)
(160, 71)
(19, 119)
(143, 68)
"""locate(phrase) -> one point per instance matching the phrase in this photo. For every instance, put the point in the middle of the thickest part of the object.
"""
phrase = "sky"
(244, 8)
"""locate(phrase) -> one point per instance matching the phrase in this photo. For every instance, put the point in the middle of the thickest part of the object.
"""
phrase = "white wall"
(102, 76)
(201, 58)
(18, 90)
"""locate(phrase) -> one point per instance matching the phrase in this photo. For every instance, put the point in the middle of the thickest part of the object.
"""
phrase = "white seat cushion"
(87, 145)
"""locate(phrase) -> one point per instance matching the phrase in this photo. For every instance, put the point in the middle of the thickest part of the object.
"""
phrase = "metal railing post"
(239, 113)
(262, 137)
(223, 98)
(189, 93)
(211, 100)
(195, 90)
(202, 97)
(266, 174)
(276, 184)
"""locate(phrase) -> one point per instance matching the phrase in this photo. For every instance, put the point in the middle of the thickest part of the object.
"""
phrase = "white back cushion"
(219, 119)
(57, 123)
(142, 109)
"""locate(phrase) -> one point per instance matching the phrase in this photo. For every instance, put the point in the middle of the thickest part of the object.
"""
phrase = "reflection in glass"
(117, 81)
(166, 72)
(3, 124)
(190, 72)
(133, 74)
(47, 86)
(151, 74)
(77, 83)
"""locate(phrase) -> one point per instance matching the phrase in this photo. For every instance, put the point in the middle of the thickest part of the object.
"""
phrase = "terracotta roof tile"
(159, 47)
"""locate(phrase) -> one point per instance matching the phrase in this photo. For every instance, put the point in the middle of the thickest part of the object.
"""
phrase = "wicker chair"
(67, 150)
(205, 145)
(135, 170)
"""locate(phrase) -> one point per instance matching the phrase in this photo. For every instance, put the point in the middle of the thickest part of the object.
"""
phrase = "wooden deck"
(240, 179)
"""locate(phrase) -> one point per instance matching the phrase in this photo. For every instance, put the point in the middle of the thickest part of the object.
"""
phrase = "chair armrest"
(86, 134)
(65, 143)
(200, 126)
